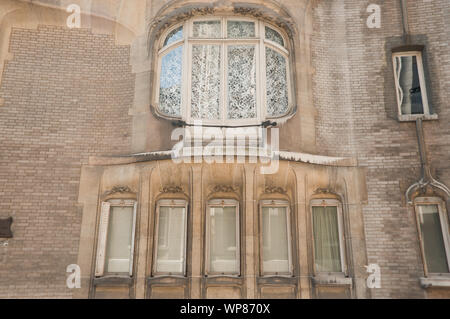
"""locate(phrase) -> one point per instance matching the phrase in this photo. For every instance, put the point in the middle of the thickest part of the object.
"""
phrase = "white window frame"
(330, 202)
(105, 212)
(423, 86)
(276, 204)
(260, 44)
(170, 203)
(222, 203)
(420, 201)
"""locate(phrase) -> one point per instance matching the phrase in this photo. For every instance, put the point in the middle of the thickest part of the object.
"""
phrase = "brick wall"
(355, 97)
(67, 94)
(66, 97)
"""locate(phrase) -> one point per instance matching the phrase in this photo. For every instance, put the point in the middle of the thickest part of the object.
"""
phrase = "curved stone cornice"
(167, 155)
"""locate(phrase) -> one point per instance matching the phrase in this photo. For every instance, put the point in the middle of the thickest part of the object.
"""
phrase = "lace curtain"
(206, 82)
(276, 83)
(241, 82)
(170, 82)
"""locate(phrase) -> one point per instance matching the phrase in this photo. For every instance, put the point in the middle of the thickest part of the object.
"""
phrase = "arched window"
(223, 71)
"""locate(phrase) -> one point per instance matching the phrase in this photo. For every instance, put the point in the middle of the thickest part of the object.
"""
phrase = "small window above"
(274, 36)
(174, 35)
(223, 71)
(410, 85)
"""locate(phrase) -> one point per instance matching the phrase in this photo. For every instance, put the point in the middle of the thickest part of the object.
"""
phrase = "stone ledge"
(437, 281)
(414, 117)
(282, 155)
(332, 280)
(113, 281)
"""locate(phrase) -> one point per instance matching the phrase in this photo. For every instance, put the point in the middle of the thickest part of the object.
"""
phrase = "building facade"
(225, 149)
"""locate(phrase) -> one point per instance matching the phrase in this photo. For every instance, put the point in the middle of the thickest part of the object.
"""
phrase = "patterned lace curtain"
(206, 82)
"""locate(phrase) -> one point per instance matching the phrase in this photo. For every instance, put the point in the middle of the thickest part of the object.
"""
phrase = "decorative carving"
(224, 189)
(172, 189)
(5, 228)
(427, 182)
(325, 190)
(274, 189)
(169, 16)
(118, 189)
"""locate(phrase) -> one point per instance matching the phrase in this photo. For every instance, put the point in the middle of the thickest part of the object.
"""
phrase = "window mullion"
(263, 76)
(260, 74)
(186, 85)
(224, 69)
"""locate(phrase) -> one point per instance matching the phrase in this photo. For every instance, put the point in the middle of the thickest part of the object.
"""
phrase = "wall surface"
(68, 94)
(354, 94)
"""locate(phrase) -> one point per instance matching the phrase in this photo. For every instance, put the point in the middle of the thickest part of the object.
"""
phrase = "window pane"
(408, 82)
(207, 29)
(170, 82)
(205, 82)
(118, 247)
(274, 36)
(171, 239)
(174, 35)
(240, 29)
(241, 81)
(326, 239)
(275, 240)
(433, 241)
(276, 83)
(223, 249)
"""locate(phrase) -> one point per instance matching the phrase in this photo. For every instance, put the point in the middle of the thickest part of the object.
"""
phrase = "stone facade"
(77, 120)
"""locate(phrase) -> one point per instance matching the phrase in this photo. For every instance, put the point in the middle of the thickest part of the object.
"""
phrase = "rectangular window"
(327, 231)
(276, 250)
(434, 236)
(222, 243)
(410, 83)
(171, 224)
(116, 237)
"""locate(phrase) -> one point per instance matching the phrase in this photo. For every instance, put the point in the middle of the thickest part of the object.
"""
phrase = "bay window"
(223, 70)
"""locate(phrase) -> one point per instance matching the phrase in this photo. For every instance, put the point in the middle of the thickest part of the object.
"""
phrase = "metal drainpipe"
(424, 167)
(405, 23)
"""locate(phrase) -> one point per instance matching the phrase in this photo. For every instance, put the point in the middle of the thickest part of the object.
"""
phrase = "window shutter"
(102, 235)
(133, 231)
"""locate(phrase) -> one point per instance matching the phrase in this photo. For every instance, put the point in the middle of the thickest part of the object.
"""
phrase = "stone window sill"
(435, 281)
(414, 117)
(332, 280)
(113, 281)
